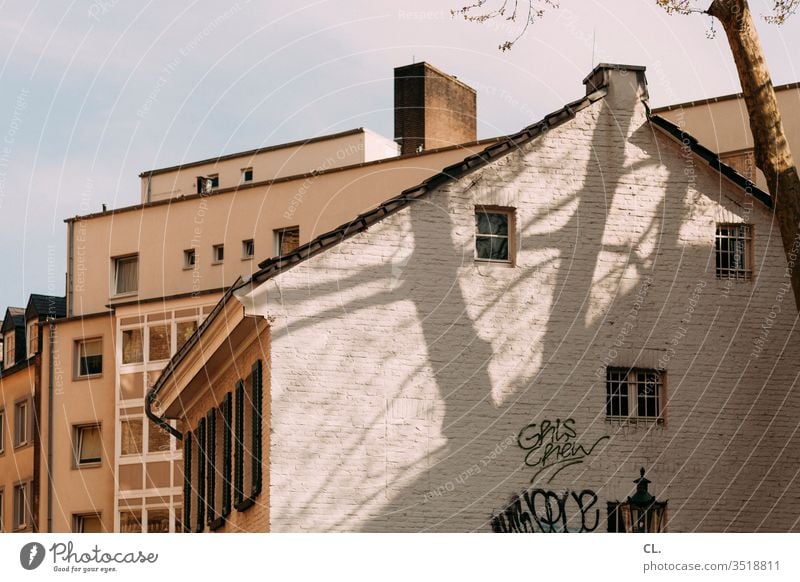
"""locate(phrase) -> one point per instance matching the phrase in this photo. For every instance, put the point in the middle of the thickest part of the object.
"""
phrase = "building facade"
(505, 346)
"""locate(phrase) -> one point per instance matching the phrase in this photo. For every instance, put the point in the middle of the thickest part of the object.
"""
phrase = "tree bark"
(771, 149)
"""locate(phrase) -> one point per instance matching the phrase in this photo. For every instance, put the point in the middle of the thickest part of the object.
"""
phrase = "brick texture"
(402, 371)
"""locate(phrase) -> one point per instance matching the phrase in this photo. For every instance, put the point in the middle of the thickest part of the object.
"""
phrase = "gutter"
(160, 422)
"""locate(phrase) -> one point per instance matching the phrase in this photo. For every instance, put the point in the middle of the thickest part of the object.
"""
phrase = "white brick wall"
(402, 371)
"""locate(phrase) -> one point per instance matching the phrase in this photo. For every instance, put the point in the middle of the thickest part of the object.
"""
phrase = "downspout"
(70, 260)
(148, 401)
(50, 374)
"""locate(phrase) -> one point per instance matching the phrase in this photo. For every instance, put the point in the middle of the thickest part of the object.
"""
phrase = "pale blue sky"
(94, 92)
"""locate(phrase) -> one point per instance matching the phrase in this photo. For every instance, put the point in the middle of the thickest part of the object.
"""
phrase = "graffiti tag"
(543, 511)
(552, 444)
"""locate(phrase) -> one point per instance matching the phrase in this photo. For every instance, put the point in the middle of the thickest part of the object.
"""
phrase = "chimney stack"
(432, 109)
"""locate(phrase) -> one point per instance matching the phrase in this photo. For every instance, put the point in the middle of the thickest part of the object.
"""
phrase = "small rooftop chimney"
(621, 79)
(432, 109)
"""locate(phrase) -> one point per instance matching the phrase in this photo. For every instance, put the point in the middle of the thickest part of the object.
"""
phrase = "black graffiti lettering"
(550, 444)
(548, 512)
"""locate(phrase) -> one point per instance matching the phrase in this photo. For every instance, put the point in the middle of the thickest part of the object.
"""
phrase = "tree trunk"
(771, 150)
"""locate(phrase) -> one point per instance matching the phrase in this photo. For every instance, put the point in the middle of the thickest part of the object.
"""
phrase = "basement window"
(734, 248)
(634, 393)
(493, 234)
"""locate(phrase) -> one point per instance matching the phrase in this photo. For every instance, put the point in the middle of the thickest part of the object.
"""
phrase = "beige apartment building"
(721, 124)
(141, 279)
(504, 346)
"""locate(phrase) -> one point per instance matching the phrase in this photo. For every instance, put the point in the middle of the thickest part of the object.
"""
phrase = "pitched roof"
(15, 317)
(46, 306)
(275, 265)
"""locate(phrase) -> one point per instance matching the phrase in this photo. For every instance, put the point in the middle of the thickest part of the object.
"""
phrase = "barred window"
(634, 393)
(733, 251)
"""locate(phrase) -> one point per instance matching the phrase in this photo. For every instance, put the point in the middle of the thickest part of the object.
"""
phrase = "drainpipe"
(52, 333)
(70, 250)
(148, 401)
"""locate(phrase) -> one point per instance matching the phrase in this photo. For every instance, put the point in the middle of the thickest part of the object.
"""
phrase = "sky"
(93, 92)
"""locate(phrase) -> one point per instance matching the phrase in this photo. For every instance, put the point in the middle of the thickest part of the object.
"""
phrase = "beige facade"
(722, 125)
(416, 385)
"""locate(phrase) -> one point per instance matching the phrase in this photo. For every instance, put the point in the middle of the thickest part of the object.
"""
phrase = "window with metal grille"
(634, 393)
(733, 251)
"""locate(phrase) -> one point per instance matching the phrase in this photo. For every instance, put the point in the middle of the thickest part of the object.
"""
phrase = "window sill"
(93, 465)
(89, 377)
(634, 420)
(491, 262)
(250, 258)
(18, 446)
(214, 263)
(188, 267)
(124, 295)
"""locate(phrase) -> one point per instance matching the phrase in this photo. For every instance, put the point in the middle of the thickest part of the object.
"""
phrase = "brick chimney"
(432, 109)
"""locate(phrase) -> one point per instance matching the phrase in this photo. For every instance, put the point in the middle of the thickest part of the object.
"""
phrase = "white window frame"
(216, 250)
(511, 238)
(77, 434)
(248, 244)
(77, 358)
(21, 522)
(29, 337)
(9, 347)
(633, 395)
(116, 262)
(25, 439)
(244, 180)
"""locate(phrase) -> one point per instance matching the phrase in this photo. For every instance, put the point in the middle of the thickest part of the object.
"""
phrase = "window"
(247, 453)
(158, 521)
(87, 445)
(733, 251)
(131, 436)
(158, 439)
(634, 393)
(126, 275)
(132, 346)
(22, 423)
(160, 340)
(89, 357)
(248, 249)
(130, 521)
(286, 240)
(21, 506)
(493, 228)
(33, 338)
(205, 184)
(2, 431)
(218, 252)
(87, 523)
(2, 510)
(247, 175)
(185, 330)
(189, 258)
(8, 346)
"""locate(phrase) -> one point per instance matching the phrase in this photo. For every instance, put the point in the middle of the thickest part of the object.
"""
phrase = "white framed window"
(132, 346)
(635, 393)
(87, 445)
(494, 234)
(734, 251)
(206, 184)
(248, 249)
(2, 431)
(126, 274)
(8, 347)
(247, 175)
(286, 240)
(21, 505)
(218, 253)
(189, 258)
(33, 338)
(159, 342)
(22, 422)
(88, 357)
(87, 523)
(132, 436)
(183, 331)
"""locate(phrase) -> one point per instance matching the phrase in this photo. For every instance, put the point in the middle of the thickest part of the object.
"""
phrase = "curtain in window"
(127, 275)
(89, 445)
(90, 357)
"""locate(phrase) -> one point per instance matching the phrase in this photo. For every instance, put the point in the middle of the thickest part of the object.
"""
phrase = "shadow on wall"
(587, 259)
